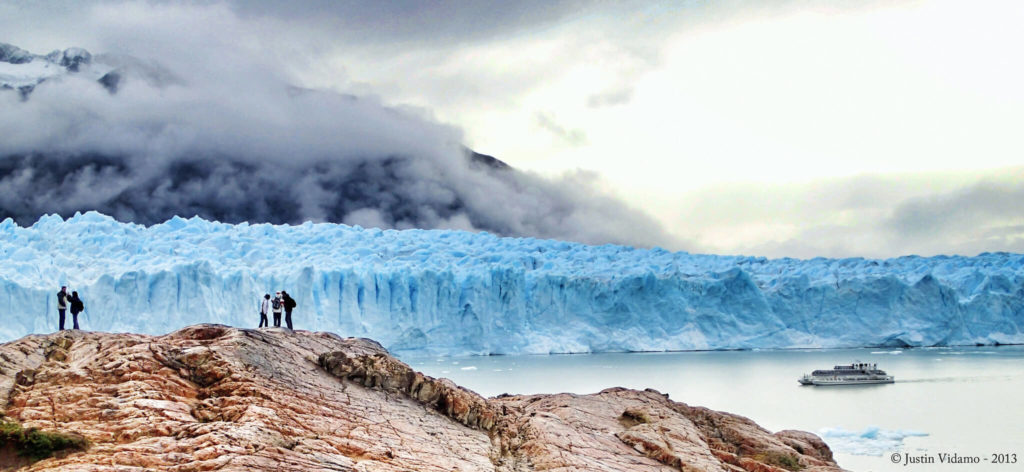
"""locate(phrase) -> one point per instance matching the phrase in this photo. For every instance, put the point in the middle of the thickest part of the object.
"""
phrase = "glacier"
(454, 292)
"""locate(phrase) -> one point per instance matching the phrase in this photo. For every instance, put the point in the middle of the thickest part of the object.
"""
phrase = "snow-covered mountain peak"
(22, 71)
(73, 58)
(14, 55)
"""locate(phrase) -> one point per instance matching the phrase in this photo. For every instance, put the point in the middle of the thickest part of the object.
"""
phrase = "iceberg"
(871, 441)
(455, 292)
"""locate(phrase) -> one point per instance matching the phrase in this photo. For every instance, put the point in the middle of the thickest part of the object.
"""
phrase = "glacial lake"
(967, 401)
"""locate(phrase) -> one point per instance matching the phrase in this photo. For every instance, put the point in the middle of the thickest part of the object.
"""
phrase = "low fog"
(203, 119)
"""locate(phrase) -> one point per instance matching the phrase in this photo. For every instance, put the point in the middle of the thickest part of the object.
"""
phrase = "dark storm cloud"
(449, 22)
(423, 23)
(478, 55)
(204, 121)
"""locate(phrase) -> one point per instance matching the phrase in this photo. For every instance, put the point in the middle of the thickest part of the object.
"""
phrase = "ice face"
(455, 292)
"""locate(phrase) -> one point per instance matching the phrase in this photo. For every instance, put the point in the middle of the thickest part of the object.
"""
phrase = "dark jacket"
(289, 302)
(76, 305)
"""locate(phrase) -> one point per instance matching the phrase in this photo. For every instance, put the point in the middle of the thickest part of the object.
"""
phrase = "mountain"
(23, 71)
(210, 397)
(457, 292)
(193, 185)
(148, 139)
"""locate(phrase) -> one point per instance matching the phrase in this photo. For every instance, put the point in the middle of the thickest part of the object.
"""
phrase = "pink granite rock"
(211, 397)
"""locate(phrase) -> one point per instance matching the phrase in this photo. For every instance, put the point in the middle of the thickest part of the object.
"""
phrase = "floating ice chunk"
(871, 441)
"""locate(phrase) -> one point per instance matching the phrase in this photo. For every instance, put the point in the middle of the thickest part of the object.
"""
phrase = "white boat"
(858, 373)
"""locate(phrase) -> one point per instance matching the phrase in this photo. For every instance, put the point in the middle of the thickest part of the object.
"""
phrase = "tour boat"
(858, 373)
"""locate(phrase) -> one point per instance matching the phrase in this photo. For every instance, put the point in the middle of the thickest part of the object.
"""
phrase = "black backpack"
(277, 303)
(289, 303)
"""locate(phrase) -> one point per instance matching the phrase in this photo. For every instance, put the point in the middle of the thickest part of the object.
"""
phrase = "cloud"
(206, 121)
(609, 98)
(419, 24)
(871, 216)
(975, 218)
(489, 66)
(965, 210)
(573, 137)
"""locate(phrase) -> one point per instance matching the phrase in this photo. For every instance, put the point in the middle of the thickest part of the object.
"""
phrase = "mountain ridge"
(144, 140)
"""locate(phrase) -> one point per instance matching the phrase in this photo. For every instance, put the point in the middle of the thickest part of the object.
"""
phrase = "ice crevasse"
(456, 292)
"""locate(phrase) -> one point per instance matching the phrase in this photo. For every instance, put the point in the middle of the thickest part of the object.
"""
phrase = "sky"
(779, 128)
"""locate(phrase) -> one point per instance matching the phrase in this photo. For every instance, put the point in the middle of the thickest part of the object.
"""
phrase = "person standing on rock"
(264, 310)
(76, 307)
(278, 305)
(62, 304)
(289, 304)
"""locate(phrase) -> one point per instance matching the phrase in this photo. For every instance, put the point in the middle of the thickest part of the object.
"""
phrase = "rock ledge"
(210, 397)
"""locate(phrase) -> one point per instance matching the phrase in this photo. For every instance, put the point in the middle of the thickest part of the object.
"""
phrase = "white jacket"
(265, 306)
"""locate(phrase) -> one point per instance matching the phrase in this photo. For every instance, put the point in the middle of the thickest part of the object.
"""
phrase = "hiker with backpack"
(289, 304)
(264, 310)
(77, 306)
(278, 304)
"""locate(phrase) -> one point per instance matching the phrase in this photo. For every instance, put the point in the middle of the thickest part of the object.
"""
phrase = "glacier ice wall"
(457, 292)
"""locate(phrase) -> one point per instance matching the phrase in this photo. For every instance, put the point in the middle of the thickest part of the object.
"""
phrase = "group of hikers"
(282, 302)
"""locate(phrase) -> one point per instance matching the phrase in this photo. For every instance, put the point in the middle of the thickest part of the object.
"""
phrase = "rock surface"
(209, 397)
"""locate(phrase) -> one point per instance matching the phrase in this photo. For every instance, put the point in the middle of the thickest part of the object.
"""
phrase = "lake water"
(967, 401)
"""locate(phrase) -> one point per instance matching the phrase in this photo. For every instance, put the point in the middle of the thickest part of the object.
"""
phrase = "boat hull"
(829, 382)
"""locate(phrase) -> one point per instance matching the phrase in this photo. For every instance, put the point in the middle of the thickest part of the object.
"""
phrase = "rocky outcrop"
(210, 397)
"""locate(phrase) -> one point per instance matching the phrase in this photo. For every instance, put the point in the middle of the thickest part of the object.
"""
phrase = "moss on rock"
(36, 444)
